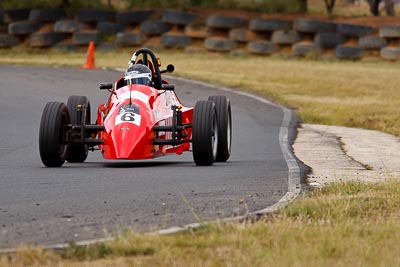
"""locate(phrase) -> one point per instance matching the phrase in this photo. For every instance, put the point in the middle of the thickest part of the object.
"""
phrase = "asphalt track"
(77, 202)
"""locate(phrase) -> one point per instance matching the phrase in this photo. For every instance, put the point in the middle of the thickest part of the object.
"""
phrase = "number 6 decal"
(129, 118)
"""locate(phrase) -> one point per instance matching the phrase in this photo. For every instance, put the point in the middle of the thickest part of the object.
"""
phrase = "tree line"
(374, 6)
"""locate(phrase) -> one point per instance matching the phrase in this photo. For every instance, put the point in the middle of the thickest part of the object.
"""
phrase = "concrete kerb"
(340, 154)
(294, 177)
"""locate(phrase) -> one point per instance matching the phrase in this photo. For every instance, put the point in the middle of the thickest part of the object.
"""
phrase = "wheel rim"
(215, 137)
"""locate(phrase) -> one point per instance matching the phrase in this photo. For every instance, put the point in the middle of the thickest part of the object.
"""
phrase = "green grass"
(344, 224)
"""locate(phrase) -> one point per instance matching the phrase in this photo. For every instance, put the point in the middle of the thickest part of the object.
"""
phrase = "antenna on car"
(130, 63)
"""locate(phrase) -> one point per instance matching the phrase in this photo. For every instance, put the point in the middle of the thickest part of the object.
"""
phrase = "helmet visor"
(141, 78)
(143, 81)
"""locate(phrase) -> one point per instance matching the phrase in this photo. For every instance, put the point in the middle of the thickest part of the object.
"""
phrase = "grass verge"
(344, 224)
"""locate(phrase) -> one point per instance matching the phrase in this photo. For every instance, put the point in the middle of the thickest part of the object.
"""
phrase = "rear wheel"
(51, 134)
(78, 152)
(204, 133)
(224, 117)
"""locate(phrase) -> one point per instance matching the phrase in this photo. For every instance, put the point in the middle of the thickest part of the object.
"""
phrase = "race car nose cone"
(125, 141)
(132, 142)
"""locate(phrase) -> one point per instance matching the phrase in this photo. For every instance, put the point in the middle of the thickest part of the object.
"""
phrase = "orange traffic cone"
(90, 57)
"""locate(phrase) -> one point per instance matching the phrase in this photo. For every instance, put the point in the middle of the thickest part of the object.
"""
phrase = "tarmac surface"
(337, 153)
(80, 202)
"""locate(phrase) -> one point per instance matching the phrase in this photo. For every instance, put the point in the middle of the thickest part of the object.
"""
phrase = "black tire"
(371, 42)
(23, 27)
(204, 133)
(129, 39)
(389, 31)
(66, 26)
(313, 26)
(174, 40)
(270, 25)
(2, 21)
(52, 152)
(285, 37)
(328, 40)
(77, 152)
(109, 27)
(7, 41)
(224, 118)
(219, 44)
(349, 52)
(84, 38)
(262, 47)
(239, 35)
(390, 53)
(225, 22)
(177, 17)
(95, 15)
(154, 27)
(45, 39)
(133, 17)
(19, 14)
(46, 15)
(304, 49)
(3, 29)
(353, 30)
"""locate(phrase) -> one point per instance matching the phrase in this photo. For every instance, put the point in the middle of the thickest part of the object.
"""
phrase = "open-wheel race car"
(142, 119)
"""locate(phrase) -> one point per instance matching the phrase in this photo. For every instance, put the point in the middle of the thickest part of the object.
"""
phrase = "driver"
(138, 74)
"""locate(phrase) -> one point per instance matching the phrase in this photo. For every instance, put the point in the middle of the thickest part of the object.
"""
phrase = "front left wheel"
(53, 152)
(204, 133)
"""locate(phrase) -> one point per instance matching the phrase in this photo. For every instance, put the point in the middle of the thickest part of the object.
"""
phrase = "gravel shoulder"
(337, 153)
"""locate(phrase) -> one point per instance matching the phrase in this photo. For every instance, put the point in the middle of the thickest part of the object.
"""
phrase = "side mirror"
(106, 86)
(170, 68)
(167, 86)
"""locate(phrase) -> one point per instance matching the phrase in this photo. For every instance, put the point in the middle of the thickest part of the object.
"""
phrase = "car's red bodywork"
(141, 119)
(133, 138)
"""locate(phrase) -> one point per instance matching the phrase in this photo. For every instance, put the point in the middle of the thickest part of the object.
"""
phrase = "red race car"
(142, 119)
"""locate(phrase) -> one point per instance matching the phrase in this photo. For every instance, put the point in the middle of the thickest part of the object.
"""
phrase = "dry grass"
(355, 94)
(351, 224)
(361, 94)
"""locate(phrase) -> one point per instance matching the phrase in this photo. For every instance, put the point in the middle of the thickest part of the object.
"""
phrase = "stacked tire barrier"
(390, 34)
(108, 29)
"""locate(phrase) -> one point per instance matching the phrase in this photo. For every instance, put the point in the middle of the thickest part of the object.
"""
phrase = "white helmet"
(138, 74)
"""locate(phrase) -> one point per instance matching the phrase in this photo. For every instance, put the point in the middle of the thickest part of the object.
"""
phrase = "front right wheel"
(204, 133)
(53, 152)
